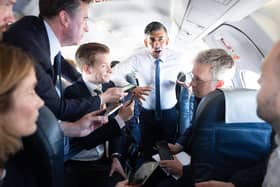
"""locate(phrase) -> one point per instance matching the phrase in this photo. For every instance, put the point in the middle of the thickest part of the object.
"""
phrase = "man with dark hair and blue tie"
(156, 68)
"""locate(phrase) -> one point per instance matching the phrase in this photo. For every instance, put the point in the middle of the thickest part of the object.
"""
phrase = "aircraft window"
(228, 84)
(250, 79)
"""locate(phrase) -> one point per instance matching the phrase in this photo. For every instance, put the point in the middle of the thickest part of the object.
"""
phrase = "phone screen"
(112, 110)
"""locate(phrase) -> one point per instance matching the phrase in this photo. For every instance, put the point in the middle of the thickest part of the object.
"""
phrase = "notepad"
(183, 157)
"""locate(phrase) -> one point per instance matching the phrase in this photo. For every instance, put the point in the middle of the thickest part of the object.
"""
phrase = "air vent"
(98, 1)
(112, 0)
(224, 2)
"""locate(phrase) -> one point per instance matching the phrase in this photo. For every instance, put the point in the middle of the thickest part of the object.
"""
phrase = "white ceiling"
(120, 23)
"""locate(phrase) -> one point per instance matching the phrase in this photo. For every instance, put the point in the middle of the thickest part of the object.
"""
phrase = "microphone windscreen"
(114, 63)
(131, 79)
(181, 77)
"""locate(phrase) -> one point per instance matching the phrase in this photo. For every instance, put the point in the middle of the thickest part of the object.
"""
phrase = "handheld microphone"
(131, 79)
(181, 77)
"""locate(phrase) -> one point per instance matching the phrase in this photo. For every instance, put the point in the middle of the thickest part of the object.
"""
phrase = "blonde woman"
(19, 103)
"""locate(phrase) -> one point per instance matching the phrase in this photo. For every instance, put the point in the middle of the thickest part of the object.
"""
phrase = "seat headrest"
(241, 106)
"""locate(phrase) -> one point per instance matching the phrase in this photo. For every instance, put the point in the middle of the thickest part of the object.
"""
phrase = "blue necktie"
(57, 67)
(157, 86)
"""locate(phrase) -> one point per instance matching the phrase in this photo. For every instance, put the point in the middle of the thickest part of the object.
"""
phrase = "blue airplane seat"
(227, 135)
(46, 147)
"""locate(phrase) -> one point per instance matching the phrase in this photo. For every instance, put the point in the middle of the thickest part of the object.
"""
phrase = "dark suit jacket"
(20, 173)
(29, 33)
(79, 90)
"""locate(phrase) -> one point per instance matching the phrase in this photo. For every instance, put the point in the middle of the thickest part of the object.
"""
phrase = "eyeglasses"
(191, 78)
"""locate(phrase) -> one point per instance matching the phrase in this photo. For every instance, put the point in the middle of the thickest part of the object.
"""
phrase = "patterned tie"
(97, 91)
(157, 86)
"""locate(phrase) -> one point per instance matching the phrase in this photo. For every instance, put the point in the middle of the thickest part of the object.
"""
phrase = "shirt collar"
(55, 46)
(91, 86)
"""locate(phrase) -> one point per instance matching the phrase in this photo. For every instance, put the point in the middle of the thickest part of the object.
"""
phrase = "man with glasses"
(210, 69)
(267, 109)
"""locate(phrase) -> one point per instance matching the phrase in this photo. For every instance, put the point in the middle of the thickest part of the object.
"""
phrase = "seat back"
(220, 148)
(45, 150)
(186, 107)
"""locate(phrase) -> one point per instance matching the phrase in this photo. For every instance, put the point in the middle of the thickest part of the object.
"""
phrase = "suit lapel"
(83, 88)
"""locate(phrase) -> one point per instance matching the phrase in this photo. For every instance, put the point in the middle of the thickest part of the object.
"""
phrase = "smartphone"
(111, 110)
(164, 151)
(128, 87)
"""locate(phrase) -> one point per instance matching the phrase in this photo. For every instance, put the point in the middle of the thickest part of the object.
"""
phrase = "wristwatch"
(116, 155)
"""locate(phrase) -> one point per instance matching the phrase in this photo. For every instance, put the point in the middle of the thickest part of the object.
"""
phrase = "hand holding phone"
(127, 111)
(164, 151)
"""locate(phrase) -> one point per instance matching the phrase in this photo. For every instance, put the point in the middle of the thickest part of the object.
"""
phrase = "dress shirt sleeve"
(3, 175)
(120, 121)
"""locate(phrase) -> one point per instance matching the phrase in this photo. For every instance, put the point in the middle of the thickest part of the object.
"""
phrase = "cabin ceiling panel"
(202, 16)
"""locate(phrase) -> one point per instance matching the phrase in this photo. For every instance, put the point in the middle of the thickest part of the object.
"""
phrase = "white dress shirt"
(143, 65)
(55, 45)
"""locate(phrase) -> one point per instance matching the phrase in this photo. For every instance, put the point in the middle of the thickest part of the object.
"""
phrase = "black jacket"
(78, 90)
(29, 33)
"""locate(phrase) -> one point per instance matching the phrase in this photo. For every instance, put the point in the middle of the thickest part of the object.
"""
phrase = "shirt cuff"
(120, 121)
(3, 174)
